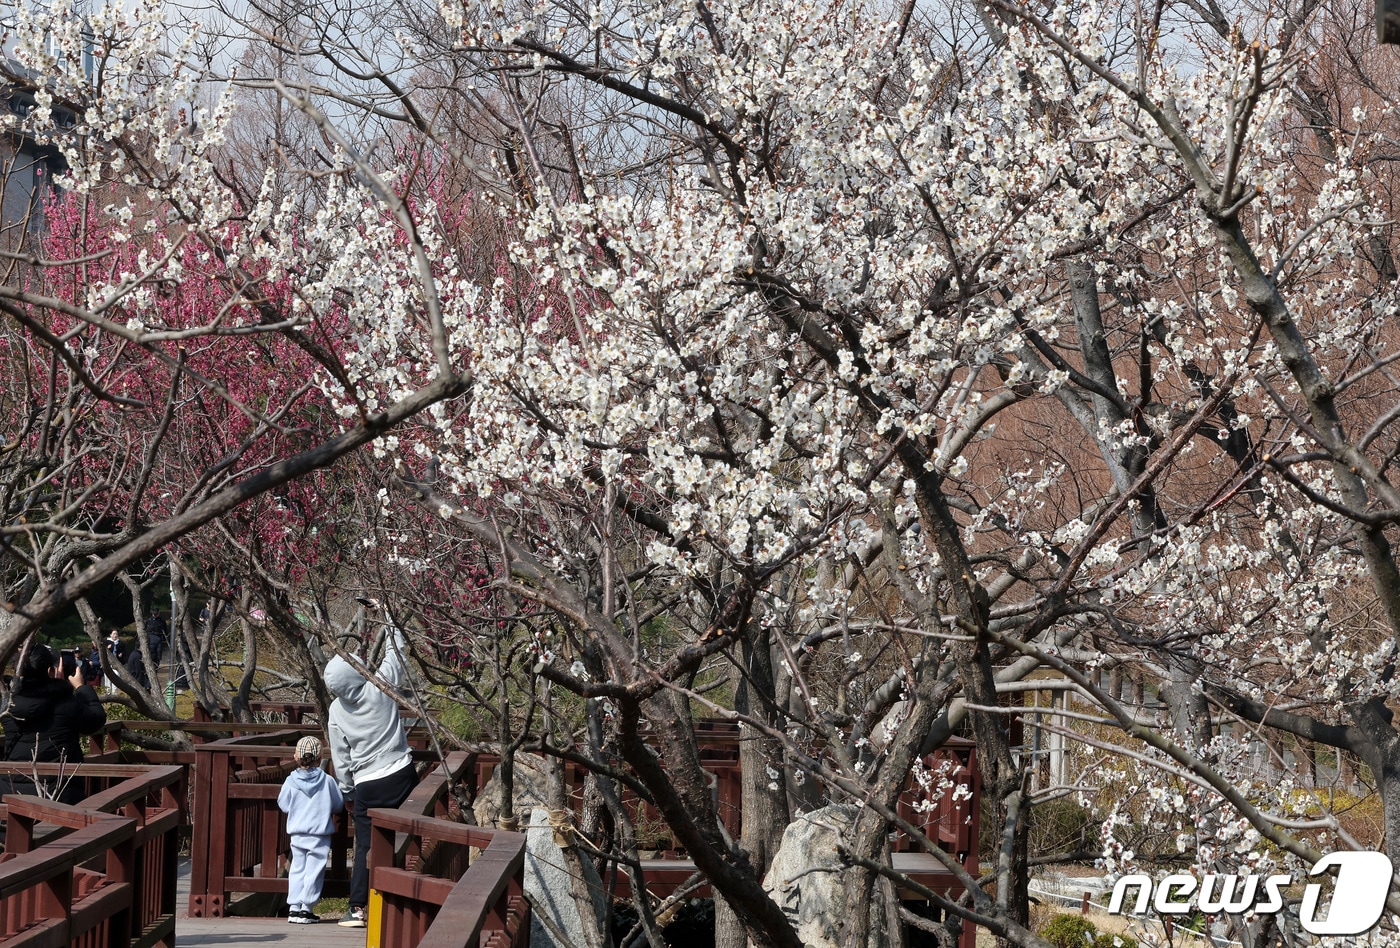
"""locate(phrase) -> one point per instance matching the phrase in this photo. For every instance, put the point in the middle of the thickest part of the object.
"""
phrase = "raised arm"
(391, 668)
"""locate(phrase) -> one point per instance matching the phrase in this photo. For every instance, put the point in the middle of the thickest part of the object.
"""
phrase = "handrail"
(446, 831)
(423, 910)
(137, 788)
(427, 797)
(49, 895)
(239, 834)
(93, 834)
(264, 739)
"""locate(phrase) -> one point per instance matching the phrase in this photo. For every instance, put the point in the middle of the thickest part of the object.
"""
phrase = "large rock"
(528, 786)
(549, 884)
(814, 901)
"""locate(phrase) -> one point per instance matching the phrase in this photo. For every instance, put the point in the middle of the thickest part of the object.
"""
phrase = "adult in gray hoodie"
(370, 751)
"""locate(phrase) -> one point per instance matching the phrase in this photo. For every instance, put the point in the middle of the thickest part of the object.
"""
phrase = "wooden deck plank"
(233, 932)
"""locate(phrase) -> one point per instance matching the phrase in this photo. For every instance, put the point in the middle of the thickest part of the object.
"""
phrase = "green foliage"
(67, 632)
(1195, 922)
(1072, 931)
(458, 720)
(1076, 931)
(658, 631)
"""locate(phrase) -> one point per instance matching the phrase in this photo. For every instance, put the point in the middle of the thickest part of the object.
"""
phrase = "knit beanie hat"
(308, 749)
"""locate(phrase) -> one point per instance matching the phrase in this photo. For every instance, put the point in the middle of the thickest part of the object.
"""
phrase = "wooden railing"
(292, 712)
(953, 822)
(439, 900)
(240, 845)
(432, 892)
(51, 889)
(239, 840)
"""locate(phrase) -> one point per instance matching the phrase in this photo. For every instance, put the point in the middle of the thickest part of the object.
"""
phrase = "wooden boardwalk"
(57, 889)
(230, 932)
(233, 932)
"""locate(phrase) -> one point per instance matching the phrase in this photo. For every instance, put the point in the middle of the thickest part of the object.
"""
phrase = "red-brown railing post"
(174, 797)
(55, 896)
(208, 858)
(381, 853)
(19, 832)
(124, 865)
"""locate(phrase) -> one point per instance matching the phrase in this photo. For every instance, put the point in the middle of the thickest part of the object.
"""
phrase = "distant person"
(47, 719)
(310, 798)
(95, 660)
(157, 635)
(116, 654)
(370, 750)
(136, 668)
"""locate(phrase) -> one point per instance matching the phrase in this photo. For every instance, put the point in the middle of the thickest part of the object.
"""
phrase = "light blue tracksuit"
(309, 797)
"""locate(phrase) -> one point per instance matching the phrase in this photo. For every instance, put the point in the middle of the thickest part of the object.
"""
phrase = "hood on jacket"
(41, 692)
(307, 781)
(343, 681)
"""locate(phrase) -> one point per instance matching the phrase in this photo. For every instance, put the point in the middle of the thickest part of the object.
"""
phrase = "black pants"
(387, 791)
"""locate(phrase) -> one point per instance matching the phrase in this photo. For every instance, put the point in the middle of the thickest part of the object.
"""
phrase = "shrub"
(1071, 931)
(1110, 940)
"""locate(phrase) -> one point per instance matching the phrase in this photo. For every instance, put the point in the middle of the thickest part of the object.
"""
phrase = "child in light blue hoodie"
(309, 798)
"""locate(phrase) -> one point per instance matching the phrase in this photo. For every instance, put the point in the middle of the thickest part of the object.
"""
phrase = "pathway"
(231, 932)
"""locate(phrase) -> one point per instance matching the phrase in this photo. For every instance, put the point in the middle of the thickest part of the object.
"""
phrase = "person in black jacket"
(157, 634)
(136, 667)
(48, 717)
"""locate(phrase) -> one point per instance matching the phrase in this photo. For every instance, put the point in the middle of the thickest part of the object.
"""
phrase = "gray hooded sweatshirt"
(364, 730)
(309, 797)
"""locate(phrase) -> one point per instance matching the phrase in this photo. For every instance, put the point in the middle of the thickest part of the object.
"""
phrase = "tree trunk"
(1305, 751)
(683, 796)
(1346, 775)
(729, 931)
(1190, 715)
(559, 807)
(763, 809)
